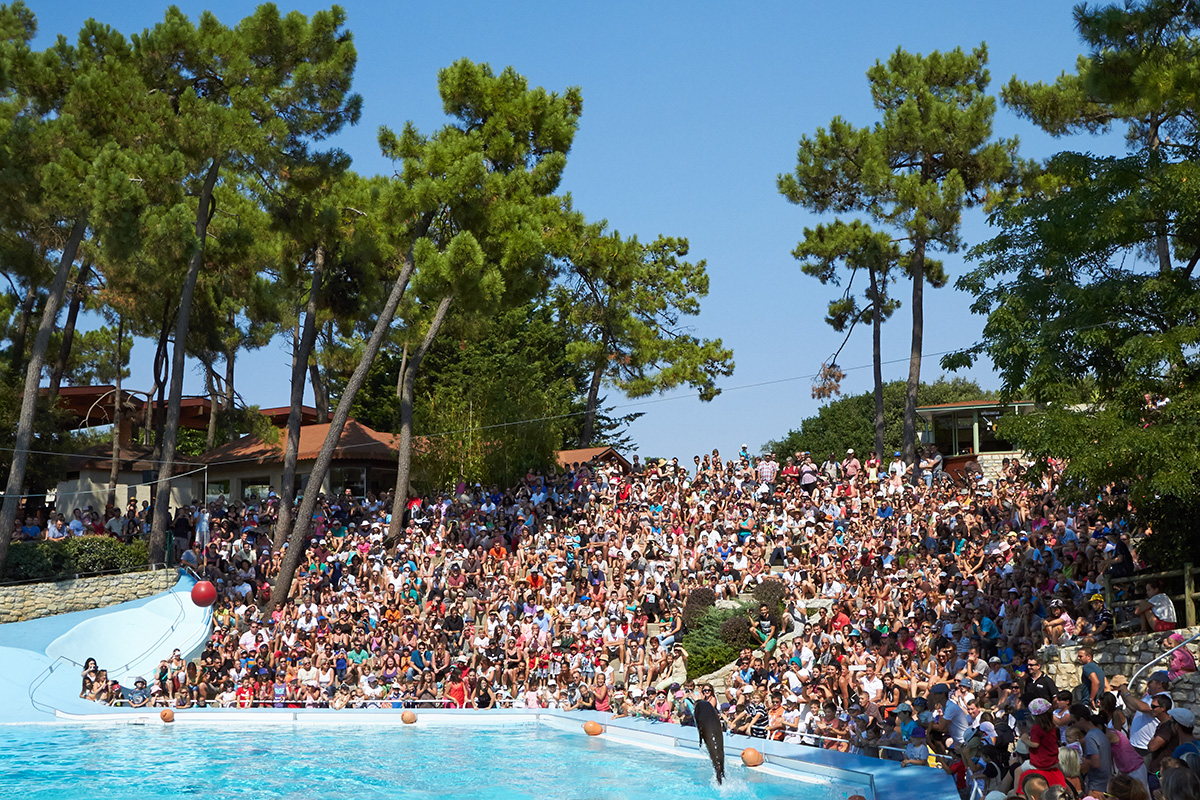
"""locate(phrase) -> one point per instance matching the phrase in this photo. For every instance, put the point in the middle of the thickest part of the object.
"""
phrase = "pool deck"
(39, 683)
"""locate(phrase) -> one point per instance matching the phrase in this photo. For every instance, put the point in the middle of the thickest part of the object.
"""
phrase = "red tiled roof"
(358, 442)
(585, 454)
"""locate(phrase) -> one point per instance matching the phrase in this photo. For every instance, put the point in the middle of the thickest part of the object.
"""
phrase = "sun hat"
(1039, 706)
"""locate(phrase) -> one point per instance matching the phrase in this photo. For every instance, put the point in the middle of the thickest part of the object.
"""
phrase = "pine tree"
(928, 158)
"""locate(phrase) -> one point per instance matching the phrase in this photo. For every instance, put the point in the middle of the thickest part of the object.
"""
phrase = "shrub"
(34, 560)
(102, 553)
(698, 603)
(57, 560)
(770, 593)
(707, 651)
(735, 631)
(709, 660)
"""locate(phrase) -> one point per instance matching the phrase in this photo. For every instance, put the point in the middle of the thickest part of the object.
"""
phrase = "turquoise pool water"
(153, 762)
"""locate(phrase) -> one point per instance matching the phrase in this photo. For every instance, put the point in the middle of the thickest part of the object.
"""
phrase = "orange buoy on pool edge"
(167, 715)
(593, 728)
(751, 757)
(204, 594)
(408, 717)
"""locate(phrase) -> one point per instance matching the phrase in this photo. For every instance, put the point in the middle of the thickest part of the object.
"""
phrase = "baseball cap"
(1160, 676)
(1184, 717)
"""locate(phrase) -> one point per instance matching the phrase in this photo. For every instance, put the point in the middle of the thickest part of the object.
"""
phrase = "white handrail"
(1160, 657)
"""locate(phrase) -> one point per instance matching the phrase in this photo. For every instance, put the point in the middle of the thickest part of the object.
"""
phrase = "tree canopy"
(1089, 288)
(930, 156)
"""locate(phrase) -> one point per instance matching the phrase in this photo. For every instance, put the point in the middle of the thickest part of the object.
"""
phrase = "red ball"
(204, 594)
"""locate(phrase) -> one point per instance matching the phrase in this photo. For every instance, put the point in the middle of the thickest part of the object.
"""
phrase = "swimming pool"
(530, 760)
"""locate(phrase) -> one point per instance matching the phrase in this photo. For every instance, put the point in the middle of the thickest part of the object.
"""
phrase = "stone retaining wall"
(35, 600)
(1124, 656)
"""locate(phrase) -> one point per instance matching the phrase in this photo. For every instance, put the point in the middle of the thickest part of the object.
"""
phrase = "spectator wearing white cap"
(1185, 723)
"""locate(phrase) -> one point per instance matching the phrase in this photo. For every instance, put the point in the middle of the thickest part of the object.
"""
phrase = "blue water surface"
(152, 762)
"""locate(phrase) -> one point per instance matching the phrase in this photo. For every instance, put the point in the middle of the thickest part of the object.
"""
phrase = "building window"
(352, 478)
(256, 487)
(989, 442)
(217, 490)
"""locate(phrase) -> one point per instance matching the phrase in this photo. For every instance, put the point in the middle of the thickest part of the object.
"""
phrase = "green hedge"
(66, 558)
(707, 650)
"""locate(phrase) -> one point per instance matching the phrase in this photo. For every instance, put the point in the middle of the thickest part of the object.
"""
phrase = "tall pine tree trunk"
(214, 402)
(298, 538)
(404, 460)
(162, 499)
(227, 405)
(60, 362)
(33, 378)
(876, 359)
(18, 346)
(304, 347)
(589, 413)
(68, 333)
(320, 393)
(914, 355)
(154, 402)
(114, 468)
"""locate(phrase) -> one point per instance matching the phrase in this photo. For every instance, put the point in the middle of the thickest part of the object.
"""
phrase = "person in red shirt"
(245, 694)
(842, 619)
(455, 690)
(1042, 741)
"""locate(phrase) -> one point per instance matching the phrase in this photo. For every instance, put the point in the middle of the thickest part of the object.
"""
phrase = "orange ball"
(593, 728)
(751, 757)
(167, 715)
(408, 717)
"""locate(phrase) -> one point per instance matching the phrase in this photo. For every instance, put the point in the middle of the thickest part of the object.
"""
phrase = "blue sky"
(690, 113)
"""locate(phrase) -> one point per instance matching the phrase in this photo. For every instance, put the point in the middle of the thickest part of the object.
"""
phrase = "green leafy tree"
(627, 301)
(1089, 289)
(331, 218)
(856, 248)
(930, 157)
(849, 422)
(63, 141)
(244, 99)
(496, 396)
(485, 181)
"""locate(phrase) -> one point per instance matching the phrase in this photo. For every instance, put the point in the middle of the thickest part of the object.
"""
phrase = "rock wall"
(32, 601)
(1124, 656)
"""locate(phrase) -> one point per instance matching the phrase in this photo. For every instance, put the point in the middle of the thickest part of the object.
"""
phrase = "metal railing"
(43, 676)
(1160, 657)
(155, 567)
(862, 745)
(383, 702)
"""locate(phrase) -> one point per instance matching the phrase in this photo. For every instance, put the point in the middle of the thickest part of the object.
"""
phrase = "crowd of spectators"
(915, 605)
